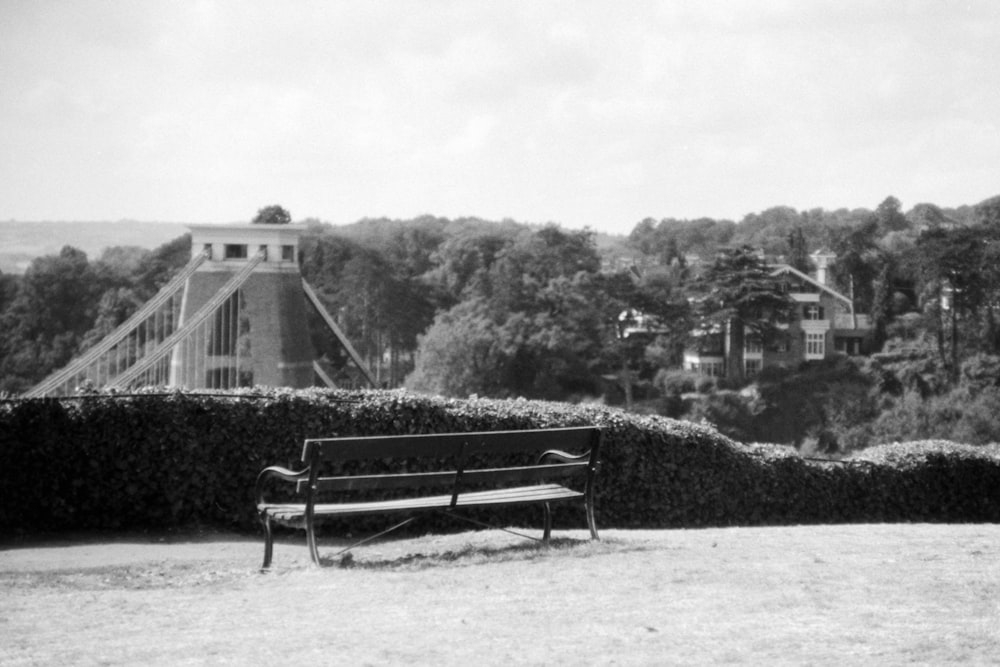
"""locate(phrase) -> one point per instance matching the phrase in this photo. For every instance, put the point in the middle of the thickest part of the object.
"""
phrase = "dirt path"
(820, 595)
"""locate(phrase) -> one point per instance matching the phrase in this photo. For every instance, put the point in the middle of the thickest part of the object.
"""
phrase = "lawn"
(843, 594)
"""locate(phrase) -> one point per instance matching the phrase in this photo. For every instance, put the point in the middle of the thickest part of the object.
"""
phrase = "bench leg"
(591, 523)
(311, 541)
(268, 542)
(547, 531)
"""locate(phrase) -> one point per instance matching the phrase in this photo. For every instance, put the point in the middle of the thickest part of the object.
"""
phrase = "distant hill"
(21, 242)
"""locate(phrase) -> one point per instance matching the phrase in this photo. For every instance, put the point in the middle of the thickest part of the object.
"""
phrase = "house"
(823, 324)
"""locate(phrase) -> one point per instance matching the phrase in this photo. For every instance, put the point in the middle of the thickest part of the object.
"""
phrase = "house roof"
(785, 268)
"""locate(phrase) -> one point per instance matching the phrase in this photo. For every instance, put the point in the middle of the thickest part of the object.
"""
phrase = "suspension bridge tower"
(234, 316)
(258, 333)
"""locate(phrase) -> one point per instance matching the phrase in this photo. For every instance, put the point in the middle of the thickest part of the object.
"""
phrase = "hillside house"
(824, 323)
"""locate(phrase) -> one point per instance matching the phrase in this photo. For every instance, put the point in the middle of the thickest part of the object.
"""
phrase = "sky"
(584, 113)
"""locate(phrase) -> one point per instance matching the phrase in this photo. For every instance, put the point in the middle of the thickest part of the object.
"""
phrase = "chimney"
(823, 258)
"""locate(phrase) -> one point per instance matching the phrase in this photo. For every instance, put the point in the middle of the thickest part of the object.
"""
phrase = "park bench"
(463, 474)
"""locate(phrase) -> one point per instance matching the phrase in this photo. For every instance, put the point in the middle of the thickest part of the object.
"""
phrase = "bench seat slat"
(447, 478)
(508, 496)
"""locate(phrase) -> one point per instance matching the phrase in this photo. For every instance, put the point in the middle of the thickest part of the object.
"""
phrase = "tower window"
(235, 251)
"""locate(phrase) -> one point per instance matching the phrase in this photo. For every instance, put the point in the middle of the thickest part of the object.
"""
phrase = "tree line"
(468, 306)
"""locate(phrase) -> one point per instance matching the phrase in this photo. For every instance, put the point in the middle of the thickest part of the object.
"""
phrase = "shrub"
(673, 382)
(156, 460)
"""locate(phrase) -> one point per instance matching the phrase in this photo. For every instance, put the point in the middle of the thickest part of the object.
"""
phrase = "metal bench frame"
(542, 483)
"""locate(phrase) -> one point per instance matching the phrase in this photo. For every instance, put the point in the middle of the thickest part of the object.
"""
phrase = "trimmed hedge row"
(158, 460)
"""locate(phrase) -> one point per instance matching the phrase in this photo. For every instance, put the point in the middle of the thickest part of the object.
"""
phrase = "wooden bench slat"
(446, 477)
(382, 482)
(513, 495)
(442, 445)
(523, 473)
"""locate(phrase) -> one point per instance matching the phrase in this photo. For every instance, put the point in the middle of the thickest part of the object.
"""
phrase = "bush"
(961, 415)
(673, 382)
(157, 460)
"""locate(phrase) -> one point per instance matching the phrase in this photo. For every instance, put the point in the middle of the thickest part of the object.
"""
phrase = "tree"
(881, 311)
(272, 215)
(672, 238)
(460, 354)
(644, 237)
(890, 217)
(536, 298)
(372, 280)
(798, 252)
(54, 307)
(161, 265)
(769, 229)
(536, 257)
(958, 273)
(927, 216)
(859, 261)
(987, 212)
(463, 261)
(738, 295)
(8, 290)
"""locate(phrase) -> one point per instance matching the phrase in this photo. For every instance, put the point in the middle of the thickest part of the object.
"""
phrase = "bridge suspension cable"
(151, 320)
(159, 358)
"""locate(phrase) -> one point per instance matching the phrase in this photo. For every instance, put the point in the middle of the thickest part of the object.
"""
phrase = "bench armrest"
(559, 456)
(279, 472)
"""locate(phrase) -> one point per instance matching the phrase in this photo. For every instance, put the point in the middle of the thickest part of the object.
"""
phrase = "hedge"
(168, 459)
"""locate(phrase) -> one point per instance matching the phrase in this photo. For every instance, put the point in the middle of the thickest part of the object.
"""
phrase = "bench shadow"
(471, 554)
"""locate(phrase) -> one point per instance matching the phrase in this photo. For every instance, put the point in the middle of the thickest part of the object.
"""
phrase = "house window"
(751, 367)
(208, 250)
(288, 253)
(815, 345)
(753, 346)
(850, 346)
(713, 369)
(813, 312)
(709, 368)
(235, 251)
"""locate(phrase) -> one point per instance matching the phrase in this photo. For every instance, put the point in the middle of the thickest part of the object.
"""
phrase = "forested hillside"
(504, 309)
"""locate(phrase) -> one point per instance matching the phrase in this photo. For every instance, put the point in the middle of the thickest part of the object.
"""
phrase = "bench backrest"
(459, 447)
(571, 439)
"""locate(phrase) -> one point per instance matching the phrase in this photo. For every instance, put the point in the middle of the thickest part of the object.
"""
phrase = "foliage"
(670, 238)
(155, 460)
(271, 215)
(961, 282)
(460, 354)
(65, 303)
(55, 305)
(373, 283)
(889, 216)
(987, 212)
(421, 298)
(738, 295)
(830, 396)
(798, 252)
(532, 316)
(960, 415)
(859, 260)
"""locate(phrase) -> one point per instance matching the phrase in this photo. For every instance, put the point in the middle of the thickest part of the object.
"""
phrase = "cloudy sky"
(583, 113)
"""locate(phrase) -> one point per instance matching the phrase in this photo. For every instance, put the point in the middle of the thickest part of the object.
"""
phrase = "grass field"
(845, 594)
